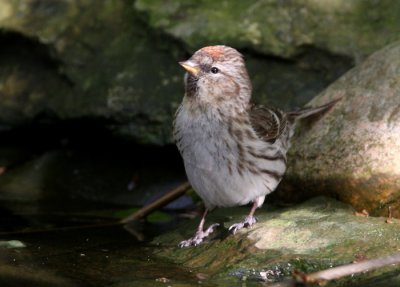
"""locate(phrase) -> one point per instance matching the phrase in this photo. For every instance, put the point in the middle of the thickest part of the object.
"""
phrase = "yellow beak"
(190, 68)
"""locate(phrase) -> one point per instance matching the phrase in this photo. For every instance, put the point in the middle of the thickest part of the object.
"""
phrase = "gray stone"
(353, 152)
(87, 59)
(106, 61)
(281, 28)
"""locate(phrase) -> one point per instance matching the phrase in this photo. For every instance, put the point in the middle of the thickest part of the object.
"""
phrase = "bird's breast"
(203, 143)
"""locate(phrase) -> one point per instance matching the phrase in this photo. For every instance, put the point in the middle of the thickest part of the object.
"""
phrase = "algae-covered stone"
(282, 28)
(352, 152)
(106, 61)
(315, 235)
(116, 61)
(97, 59)
(12, 244)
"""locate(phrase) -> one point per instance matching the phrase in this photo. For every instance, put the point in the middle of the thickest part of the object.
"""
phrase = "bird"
(234, 151)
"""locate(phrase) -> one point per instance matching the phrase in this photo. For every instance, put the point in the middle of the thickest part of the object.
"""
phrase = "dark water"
(58, 182)
(87, 256)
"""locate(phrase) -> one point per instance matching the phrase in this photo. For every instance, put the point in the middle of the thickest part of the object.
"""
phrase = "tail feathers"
(306, 112)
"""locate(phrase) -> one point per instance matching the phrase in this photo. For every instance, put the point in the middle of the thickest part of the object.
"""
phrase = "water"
(53, 192)
(57, 182)
(100, 256)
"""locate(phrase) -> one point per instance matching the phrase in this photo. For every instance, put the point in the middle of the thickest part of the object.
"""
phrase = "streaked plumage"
(234, 152)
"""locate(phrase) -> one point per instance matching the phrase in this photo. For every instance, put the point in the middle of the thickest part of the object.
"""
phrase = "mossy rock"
(106, 61)
(312, 236)
(352, 152)
(352, 28)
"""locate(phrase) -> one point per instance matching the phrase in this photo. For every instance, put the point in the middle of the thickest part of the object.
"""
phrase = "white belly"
(211, 161)
(218, 188)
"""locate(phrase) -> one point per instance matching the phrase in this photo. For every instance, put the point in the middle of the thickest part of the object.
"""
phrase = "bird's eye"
(214, 70)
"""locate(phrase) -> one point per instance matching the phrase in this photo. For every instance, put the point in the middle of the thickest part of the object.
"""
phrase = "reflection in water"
(58, 179)
(103, 256)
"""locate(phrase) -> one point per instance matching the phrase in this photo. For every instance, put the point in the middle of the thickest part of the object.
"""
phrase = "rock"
(352, 153)
(280, 28)
(74, 181)
(290, 84)
(67, 60)
(314, 235)
(12, 244)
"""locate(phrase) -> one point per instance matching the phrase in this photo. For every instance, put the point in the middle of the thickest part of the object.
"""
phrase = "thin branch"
(301, 279)
(359, 267)
(146, 210)
(162, 201)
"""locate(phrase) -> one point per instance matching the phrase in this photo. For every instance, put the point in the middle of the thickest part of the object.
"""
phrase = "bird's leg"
(200, 233)
(248, 221)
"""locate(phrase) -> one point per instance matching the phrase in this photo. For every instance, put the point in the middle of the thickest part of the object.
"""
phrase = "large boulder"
(87, 59)
(109, 61)
(280, 28)
(353, 152)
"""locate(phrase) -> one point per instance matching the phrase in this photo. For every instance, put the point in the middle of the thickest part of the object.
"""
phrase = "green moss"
(159, 217)
(316, 235)
(355, 28)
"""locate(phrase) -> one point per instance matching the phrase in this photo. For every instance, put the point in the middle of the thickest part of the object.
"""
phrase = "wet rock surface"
(318, 234)
(352, 153)
(315, 235)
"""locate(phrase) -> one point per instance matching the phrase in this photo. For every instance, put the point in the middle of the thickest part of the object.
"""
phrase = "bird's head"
(217, 75)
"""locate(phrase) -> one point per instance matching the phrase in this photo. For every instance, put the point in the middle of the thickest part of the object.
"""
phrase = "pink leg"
(247, 222)
(200, 234)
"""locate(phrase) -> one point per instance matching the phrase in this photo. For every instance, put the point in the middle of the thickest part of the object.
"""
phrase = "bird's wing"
(310, 111)
(268, 123)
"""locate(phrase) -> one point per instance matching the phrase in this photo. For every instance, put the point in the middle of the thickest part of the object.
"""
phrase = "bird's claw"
(247, 222)
(198, 237)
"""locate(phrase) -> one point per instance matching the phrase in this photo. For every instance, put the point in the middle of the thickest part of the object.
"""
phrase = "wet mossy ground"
(316, 235)
(112, 256)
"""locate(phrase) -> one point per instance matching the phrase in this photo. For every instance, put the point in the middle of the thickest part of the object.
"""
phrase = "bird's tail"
(306, 112)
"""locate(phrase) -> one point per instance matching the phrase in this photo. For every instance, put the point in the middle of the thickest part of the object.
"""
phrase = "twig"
(162, 201)
(339, 272)
(165, 199)
(346, 270)
(389, 219)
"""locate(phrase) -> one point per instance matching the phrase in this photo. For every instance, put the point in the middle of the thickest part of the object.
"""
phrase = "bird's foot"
(198, 237)
(247, 222)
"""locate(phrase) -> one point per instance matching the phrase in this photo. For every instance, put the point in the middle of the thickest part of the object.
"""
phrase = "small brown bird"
(234, 152)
